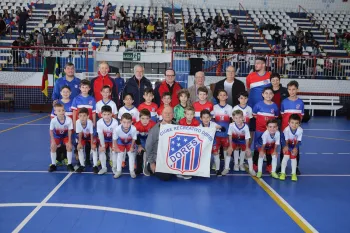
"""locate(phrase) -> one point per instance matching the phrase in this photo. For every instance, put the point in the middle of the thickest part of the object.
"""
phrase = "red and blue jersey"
(61, 82)
(84, 102)
(67, 108)
(60, 129)
(86, 131)
(125, 138)
(263, 113)
(239, 134)
(198, 107)
(106, 129)
(270, 141)
(247, 112)
(289, 107)
(152, 108)
(193, 123)
(293, 137)
(222, 116)
(256, 84)
(142, 131)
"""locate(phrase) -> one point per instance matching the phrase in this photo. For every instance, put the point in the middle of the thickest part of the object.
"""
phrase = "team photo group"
(118, 124)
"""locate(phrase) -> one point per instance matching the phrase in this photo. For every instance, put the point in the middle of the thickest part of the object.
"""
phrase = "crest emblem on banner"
(184, 152)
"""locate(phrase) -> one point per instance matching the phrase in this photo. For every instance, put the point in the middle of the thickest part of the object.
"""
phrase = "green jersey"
(179, 112)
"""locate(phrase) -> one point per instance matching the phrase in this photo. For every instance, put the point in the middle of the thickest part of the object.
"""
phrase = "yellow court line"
(5, 130)
(336, 139)
(292, 213)
(14, 118)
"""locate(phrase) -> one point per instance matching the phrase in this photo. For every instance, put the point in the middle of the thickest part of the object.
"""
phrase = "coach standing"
(199, 81)
(168, 85)
(136, 85)
(69, 80)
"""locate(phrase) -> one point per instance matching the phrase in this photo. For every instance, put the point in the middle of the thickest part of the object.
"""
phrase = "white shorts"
(170, 35)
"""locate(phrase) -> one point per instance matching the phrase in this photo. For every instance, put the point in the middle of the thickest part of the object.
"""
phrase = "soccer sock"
(131, 161)
(115, 159)
(53, 158)
(94, 157)
(145, 159)
(120, 161)
(236, 156)
(260, 163)
(284, 164)
(294, 166)
(241, 158)
(217, 162)
(69, 157)
(227, 162)
(81, 157)
(250, 164)
(103, 159)
(274, 163)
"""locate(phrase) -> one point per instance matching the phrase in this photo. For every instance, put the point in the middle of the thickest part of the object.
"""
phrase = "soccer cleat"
(58, 163)
(252, 173)
(102, 171)
(241, 167)
(132, 174)
(184, 177)
(52, 168)
(95, 170)
(255, 167)
(118, 174)
(298, 171)
(282, 176)
(294, 177)
(269, 169)
(80, 169)
(70, 168)
(123, 164)
(218, 173)
(236, 168)
(259, 174)
(225, 171)
(111, 163)
(274, 175)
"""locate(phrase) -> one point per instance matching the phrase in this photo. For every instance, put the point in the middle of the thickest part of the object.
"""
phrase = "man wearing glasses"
(168, 85)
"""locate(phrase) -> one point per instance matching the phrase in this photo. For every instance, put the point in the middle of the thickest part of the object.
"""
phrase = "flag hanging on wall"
(184, 150)
(57, 70)
(45, 80)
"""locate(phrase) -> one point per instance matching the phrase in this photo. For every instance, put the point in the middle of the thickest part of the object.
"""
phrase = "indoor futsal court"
(33, 200)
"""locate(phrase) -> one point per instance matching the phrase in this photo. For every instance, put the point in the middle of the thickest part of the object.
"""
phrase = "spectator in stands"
(39, 38)
(22, 24)
(150, 30)
(261, 24)
(234, 21)
(168, 85)
(136, 85)
(123, 38)
(300, 35)
(2, 27)
(231, 85)
(122, 12)
(81, 40)
(52, 19)
(111, 24)
(61, 28)
(199, 81)
(309, 36)
(159, 30)
(299, 49)
(277, 37)
(292, 40)
(97, 13)
(178, 31)
(142, 31)
(131, 43)
(280, 92)
(171, 33)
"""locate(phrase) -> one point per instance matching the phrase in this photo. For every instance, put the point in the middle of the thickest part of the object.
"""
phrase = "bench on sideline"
(313, 103)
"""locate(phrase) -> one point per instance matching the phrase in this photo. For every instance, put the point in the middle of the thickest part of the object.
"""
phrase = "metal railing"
(150, 46)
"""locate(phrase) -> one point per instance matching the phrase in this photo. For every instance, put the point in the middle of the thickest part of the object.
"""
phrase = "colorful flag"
(45, 80)
(57, 70)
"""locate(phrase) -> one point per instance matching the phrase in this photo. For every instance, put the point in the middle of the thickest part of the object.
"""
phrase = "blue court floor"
(33, 200)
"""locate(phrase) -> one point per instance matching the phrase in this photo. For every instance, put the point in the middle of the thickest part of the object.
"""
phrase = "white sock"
(274, 163)
(294, 166)
(217, 162)
(227, 162)
(115, 159)
(250, 164)
(69, 157)
(260, 164)
(53, 158)
(131, 161)
(284, 163)
(94, 157)
(226, 154)
(120, 161)
(103, 159)
(241, 158)
(236, 156)
(81, 157)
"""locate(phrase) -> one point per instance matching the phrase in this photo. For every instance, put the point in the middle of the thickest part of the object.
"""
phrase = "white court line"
(38, 207)
(20, 124)
(310, 153)
(303, 220)
(327, 153)
(335, 130)
(117, 210)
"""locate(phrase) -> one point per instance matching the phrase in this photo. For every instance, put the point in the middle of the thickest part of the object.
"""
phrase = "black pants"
(160, 175)
(178, 38)
(22, 27)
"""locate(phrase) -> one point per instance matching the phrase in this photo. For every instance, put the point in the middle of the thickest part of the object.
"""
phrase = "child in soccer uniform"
(85, 135)
(129, 108)
(205, 117)
(179, 110)
(143, 127)
(244, 107)
(291, 105)
(105, 128)
(148, 104)
(106, 93)
(189, 119)
(268, 144)
(166, 100)
(293, 134)
(61, 132)
(263, 111)
(222, 116)
(65, 101)
(124, 137)
(239, 136)
(203, 102)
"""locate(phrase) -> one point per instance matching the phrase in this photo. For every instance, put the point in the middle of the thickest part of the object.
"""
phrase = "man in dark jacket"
(136, 85)
(231, 85)
(22, 23)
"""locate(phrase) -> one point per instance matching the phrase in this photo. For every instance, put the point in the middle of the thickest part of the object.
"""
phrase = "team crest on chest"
(90, 102)
(297, 106)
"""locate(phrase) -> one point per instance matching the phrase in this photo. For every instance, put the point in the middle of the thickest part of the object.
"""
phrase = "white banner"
(184, 150)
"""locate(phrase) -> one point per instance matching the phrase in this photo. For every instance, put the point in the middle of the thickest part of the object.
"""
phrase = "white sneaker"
(241, 167)
(252, 173)
(236, 168)
(184, 177)
(133, 175)
(102, 171)
(224, 172)
(117, 175)
(114, 170)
